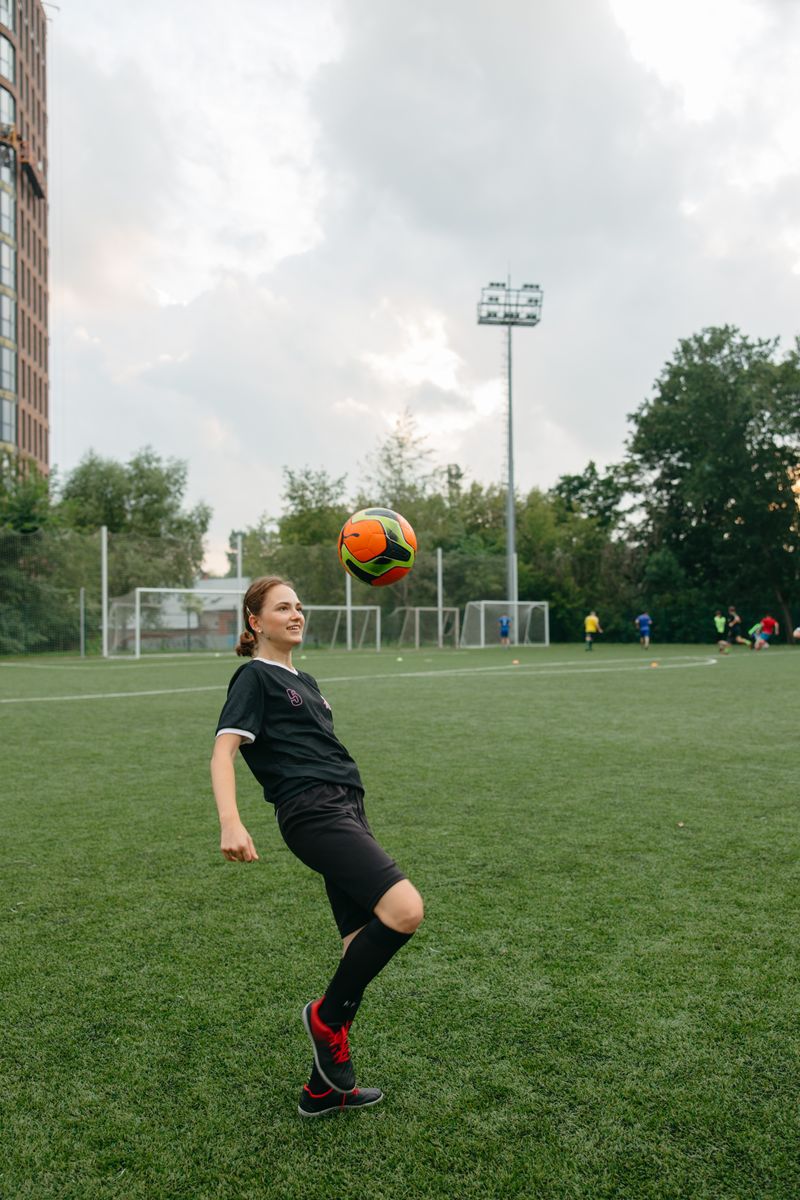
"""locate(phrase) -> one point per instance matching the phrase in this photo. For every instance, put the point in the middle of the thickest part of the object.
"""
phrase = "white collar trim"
(271, 663)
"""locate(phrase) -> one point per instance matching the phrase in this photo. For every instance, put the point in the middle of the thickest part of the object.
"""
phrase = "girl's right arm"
(235, 842)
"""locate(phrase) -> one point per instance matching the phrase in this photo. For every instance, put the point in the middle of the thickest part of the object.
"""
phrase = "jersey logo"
(294, 697)
(325, 702)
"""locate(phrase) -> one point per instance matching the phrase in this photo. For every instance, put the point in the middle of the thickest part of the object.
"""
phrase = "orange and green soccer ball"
(377, 546)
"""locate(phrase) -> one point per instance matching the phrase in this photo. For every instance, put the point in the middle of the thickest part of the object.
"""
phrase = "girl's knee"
(401, 908)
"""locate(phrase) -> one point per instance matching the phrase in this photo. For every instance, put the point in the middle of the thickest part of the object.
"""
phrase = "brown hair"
(254, 599)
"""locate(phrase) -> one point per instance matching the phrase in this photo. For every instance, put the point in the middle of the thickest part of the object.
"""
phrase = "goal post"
(419, 625)
(197, 620)
(529, 623)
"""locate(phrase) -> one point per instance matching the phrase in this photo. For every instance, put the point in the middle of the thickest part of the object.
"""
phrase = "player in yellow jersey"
(591, 626)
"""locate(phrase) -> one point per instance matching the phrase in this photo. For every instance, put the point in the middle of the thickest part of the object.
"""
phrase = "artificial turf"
(601, 1002)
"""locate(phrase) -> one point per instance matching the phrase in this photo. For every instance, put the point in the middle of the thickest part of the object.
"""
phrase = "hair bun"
(247, 642)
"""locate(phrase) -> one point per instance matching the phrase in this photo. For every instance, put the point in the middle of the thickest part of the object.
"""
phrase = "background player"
(283, 725)
(644, 623)
(505, 628)
(734, 632)
(591, 626)
(721, 626)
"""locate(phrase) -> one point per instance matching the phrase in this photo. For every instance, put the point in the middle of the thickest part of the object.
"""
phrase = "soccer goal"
(420, 626)
(197, 620)
(174, 621)
(335, 625)
(529, 622)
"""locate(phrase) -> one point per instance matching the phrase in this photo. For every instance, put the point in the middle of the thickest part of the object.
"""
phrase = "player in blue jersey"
(644, 624)
(282, 724)
(505, 629)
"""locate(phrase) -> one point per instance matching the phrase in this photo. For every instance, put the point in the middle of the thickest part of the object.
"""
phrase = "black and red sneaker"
(331, 1049)
(316, 1105)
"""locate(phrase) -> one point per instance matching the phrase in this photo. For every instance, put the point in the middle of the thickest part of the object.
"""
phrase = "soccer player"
(769, 628)
(505, 629)
(644, 623)
(754, 636)
(279, 720)
(720, 624)
(734, 630)
(591, 626)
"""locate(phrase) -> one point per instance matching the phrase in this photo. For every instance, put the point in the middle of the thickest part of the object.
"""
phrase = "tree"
(571, 561)
(144, 496)
(594, 494)
(155, 541)
(400, 476)
(314, 507)
(714, 456)
(25, 494)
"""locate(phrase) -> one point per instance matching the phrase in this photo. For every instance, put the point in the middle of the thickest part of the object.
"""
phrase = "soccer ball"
(377, 546)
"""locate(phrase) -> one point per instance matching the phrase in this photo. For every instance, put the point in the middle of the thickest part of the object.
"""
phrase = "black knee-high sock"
(367, 954)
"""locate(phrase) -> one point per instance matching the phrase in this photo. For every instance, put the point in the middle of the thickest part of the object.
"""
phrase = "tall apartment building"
(24, 392)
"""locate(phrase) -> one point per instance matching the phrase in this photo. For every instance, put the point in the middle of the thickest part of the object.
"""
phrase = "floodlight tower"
(500, 304)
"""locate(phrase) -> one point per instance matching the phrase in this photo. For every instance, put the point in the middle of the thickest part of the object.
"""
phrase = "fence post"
(439, 597)
(137, 617)
(104, 585)
(515, 599)
(348, 598)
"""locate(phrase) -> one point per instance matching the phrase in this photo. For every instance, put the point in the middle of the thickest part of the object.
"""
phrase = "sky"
(271, 220)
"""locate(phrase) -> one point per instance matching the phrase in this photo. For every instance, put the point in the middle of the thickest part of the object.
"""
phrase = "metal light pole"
(500, 304)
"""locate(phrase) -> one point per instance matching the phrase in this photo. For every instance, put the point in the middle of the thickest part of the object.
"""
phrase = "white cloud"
(695, 46)
(423, 356)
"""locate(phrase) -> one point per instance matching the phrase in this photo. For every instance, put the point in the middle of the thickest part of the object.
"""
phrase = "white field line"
(214, 687)
(203, 660)
(584, 671)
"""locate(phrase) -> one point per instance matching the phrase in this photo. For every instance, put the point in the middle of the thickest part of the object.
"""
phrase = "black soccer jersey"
(288, 727)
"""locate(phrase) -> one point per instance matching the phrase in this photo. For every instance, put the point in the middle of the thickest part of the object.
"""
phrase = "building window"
(8, 369)
(7, 14)
(8, 107)
(8, 266)
(7, 214)
(6, 59)
(8, 318)
(8, 423)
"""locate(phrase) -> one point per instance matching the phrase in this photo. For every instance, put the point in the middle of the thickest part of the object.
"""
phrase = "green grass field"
(602, 1001)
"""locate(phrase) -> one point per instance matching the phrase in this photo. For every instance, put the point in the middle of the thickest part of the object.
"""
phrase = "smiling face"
(279, 624)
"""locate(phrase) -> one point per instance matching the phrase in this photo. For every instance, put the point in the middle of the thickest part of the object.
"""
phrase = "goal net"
(419, 626)
(327, 625)
(174, 620)
(529, 622)
(194, 620)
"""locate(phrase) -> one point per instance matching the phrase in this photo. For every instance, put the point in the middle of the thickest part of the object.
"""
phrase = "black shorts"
(325, 827)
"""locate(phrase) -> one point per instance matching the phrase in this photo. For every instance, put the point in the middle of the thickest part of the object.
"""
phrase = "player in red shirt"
(769, 627)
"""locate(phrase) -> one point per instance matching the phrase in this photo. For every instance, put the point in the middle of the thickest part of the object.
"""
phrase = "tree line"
(702, 510)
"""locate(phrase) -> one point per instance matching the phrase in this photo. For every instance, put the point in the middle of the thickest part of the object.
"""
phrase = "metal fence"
(51, 585)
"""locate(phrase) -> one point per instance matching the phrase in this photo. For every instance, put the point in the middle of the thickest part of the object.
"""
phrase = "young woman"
(278, 718)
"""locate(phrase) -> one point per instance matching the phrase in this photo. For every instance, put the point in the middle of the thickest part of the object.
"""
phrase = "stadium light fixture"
(500, 304)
